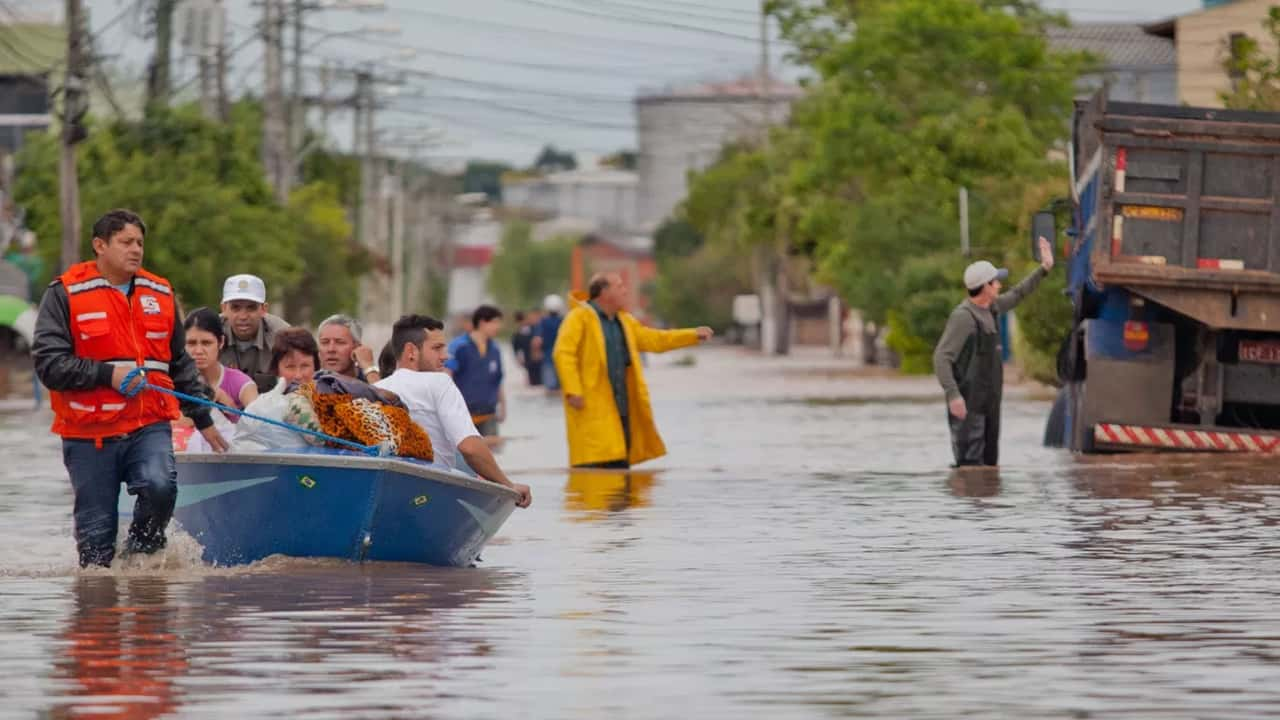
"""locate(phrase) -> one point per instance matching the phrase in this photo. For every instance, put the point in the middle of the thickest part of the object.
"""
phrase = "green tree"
(696, 281)
(552, 160)
(524, 271)
(485, 177)
(1254, 72)
(201, 189)
(927, 96)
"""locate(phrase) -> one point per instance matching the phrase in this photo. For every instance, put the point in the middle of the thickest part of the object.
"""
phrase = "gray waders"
(980, 375)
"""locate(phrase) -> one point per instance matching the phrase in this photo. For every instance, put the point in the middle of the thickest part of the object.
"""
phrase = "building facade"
(685, 130)
(604, 198)
(1205, 40)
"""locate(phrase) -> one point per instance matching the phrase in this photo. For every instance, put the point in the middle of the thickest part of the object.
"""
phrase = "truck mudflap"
(1137, 437)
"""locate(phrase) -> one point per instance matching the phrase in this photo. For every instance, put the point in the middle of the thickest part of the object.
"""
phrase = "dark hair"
(207, 320)
(387, 360)
(294, 338)
(519, 316)
(113, 222)
(412, 330)
(597, 286)
(484, 313)
(973, 292)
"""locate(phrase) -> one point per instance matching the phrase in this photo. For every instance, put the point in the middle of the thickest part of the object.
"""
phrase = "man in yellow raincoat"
(606, 401)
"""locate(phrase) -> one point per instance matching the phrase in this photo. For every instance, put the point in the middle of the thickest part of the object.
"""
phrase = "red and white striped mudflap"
(1180, 439)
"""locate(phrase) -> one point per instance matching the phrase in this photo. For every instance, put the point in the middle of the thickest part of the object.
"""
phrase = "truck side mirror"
(1042, 226)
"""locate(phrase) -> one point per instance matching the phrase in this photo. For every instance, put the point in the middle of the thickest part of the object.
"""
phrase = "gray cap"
(981, 273)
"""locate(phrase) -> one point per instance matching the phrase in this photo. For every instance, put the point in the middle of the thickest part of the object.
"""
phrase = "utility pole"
(74, 105)
(205, 38)
(275, 140)
(771, 258)
(160, 78)
(397, 240)
(297, 111)
(326, 79)
(964, 221)
(220, 68)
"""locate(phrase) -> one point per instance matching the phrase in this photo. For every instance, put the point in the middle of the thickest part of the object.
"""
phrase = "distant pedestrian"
(544, 339)
(968, 359)
(476, 368)
(607, 413)
(522, 345)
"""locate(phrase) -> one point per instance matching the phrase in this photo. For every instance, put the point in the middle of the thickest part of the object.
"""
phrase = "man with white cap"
(249, 328)
(968, 359)
(544, 339)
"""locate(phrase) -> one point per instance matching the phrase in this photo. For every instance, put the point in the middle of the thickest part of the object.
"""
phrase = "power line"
(591, 70)
(517, 89)
(552, 117)
(496, 130)
(634, 9)
(613, 42)
(639, 21)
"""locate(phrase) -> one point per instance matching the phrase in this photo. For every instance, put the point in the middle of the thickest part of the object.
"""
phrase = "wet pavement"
(803, 551)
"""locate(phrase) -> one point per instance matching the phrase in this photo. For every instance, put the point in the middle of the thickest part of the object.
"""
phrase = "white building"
(604, 197)
(685, 130)
(474, 242)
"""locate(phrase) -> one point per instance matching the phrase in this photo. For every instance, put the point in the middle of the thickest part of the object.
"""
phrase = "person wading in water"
(968, 358)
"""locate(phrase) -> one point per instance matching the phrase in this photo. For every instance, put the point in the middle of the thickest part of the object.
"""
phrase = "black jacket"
(60, 369)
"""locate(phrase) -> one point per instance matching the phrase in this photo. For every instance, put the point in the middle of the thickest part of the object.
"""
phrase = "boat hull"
(245, 507)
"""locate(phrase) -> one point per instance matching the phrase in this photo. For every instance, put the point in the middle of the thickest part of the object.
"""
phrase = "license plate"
(1260, 351)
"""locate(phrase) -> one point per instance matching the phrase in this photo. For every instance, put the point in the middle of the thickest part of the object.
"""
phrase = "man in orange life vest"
(98, 321)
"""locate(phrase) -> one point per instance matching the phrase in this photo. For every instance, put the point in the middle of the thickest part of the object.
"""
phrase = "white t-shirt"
(436, 404)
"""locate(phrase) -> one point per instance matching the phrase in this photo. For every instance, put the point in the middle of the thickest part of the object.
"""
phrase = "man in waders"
(968, 359)
(99, 321)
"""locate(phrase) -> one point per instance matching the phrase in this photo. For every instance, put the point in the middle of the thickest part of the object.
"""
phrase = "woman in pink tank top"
(204, 341)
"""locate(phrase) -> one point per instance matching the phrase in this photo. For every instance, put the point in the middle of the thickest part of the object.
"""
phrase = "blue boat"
(242, 507)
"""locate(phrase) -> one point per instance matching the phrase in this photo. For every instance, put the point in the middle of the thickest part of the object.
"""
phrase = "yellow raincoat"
(595, 431)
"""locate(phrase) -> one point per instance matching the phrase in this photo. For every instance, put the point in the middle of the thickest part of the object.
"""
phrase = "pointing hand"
(1046, 254)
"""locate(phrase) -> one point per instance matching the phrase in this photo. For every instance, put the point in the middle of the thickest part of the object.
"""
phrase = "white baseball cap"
(553, 303)
(981, 273)
(244, 287)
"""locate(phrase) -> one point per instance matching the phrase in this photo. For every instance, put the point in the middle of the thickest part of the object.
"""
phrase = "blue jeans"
(143, 461)
(550, 380)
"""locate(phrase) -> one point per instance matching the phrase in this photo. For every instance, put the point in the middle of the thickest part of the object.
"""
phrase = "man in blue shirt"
(476, 367)
(544, 340)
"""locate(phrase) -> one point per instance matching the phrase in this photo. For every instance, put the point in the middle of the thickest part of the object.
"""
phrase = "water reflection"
(590, 492)
(122, 650)
(974, 482)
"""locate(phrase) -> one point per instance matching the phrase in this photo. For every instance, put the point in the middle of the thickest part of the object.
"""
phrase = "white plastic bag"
(197, 443)
(254, 435)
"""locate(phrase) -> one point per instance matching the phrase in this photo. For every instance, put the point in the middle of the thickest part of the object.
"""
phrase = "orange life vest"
(133, 331)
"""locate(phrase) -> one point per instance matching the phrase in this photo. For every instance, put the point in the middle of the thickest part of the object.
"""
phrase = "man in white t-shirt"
(435, 402)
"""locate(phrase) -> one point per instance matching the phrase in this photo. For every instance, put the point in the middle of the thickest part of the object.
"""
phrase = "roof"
(595, 176)
(633, 245)
(475, 256)
(1118, 44)
(31, 48)
(744, 88)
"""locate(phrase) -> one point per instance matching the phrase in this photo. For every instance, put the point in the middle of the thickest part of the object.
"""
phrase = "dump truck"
(1173, 270)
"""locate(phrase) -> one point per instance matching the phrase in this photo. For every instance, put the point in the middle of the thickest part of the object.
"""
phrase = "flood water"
(803, 551)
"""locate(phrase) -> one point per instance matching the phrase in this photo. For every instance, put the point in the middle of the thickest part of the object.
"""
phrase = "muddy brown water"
(803, 551)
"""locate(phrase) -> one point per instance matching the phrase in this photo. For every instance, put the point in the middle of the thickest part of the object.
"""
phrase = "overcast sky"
(499, 78)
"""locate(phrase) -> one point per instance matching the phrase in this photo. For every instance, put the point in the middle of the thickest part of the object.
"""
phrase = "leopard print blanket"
(358, 420)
